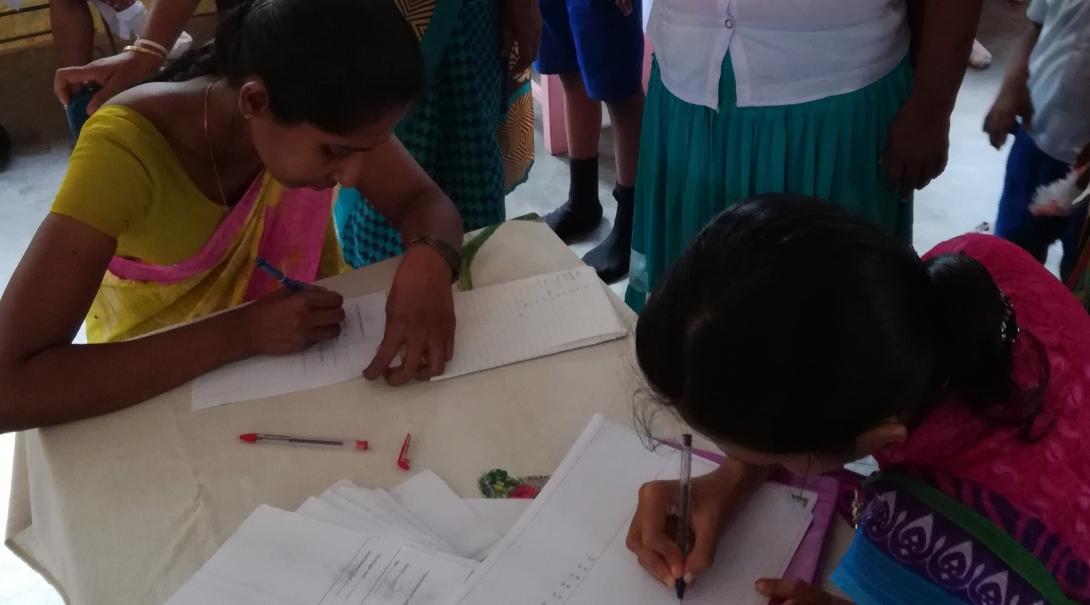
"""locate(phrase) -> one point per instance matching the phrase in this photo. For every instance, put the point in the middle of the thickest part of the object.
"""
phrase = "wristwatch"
(452, 257)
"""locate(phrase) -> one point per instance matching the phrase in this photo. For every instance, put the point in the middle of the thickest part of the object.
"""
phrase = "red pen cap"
(403, 457)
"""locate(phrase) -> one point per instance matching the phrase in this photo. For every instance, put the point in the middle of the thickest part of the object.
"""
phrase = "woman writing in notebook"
(795, 335)
(177, 187)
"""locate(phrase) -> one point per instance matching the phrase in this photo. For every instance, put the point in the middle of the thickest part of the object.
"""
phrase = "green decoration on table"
(470, 248)
(498, 483)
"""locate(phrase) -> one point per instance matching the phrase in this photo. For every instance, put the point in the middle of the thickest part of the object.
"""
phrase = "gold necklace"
(208, 140)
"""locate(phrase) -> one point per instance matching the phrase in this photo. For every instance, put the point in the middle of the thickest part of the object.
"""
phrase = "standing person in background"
(1079, 279)
(473, 129)
(1043, 103)
(74, 27)
(73, 40)
(735, 108)
(5, 147)
(596, 47)
(113, 74)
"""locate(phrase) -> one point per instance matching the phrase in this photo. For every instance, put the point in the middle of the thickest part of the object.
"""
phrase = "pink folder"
(807, 559)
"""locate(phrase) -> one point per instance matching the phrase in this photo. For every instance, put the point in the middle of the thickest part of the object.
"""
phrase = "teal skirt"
(696, 162)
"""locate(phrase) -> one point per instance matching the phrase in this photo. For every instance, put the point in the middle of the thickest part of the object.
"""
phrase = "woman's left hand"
(419, 320)
(918, 145)
(796, 592)
(520, 33)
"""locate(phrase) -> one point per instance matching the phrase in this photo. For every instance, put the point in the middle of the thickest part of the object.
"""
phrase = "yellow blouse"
(125, 180)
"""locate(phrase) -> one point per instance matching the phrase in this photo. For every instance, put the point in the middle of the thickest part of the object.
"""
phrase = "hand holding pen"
(290, 319)
(654, 533)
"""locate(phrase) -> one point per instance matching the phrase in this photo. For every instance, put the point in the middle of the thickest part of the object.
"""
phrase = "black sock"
(5, 147)
(582, 212)
(610, 258)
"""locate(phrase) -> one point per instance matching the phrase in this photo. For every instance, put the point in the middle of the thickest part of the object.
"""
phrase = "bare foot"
(980, 57)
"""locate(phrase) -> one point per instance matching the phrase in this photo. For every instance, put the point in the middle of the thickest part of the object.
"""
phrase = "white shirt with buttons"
(784, 52)
(1059, 77)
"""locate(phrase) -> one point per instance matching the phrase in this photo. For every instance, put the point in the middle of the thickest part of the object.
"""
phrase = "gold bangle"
(146, 51)
(151, 45)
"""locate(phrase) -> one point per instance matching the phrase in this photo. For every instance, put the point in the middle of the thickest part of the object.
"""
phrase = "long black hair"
(335, 64)
(792, 326)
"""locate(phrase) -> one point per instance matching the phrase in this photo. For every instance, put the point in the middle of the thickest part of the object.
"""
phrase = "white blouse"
(783, 51)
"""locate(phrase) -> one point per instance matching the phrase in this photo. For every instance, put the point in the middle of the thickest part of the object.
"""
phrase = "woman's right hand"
(651, 537)
(1012, 103)
(289, 321)
(114, 74)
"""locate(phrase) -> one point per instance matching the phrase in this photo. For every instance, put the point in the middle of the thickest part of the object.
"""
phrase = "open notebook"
(497, 325)
(569, 546)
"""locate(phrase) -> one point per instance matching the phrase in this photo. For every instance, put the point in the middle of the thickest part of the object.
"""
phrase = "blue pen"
(278, 275)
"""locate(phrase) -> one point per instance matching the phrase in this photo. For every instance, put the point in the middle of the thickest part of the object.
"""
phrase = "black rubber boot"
(610, 258)
(5, 147)
(582, 212)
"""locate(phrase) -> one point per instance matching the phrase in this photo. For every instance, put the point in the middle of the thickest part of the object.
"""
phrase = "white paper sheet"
(326, 363)
(429, 499)
(282, 558)
(530, 318)
(500, 514)
(569, 547)
(497, 326)
(367, 504)
(364, 522)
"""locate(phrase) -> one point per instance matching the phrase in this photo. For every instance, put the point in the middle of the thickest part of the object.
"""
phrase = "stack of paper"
(497, 326)
(413, 545)
(288, 558)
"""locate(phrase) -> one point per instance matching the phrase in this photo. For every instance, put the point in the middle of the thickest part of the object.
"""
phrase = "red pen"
(355, 444)
(403, 457)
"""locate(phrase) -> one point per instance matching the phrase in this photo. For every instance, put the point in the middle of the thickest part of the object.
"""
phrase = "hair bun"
(975, 325)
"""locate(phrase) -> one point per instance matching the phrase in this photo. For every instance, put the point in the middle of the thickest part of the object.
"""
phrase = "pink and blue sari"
(970, 512)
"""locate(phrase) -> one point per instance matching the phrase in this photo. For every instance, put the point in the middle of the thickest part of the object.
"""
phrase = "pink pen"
(355, 444)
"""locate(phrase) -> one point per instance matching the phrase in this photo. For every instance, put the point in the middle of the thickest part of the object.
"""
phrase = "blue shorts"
(594, 38)
(1027, 169)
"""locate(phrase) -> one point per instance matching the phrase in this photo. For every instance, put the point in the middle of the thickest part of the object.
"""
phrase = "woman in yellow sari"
(176, 188)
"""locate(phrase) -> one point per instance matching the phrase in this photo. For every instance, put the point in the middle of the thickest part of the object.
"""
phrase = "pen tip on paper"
(249, 437)
(679, 586)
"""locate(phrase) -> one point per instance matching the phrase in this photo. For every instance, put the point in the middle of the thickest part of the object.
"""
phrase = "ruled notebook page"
(520, 320)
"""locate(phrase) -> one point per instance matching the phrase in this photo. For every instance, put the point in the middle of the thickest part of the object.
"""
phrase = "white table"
(123, 508)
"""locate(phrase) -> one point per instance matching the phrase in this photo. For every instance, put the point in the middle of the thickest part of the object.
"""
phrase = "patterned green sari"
(471, 131)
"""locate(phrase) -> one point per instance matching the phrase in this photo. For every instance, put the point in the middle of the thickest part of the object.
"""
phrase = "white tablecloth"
(123, 508)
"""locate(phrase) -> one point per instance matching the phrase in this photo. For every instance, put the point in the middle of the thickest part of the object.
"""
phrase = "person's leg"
(610, 47)
(980, 58)
(625, 117)
(611, 257)
(582, 211)
(1027, 169)
(583, 116)
(1071, 239)
(5, 147)
(73, 31)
